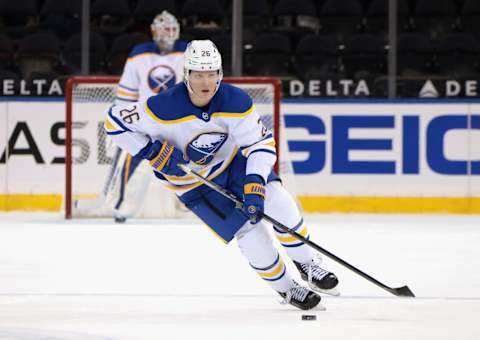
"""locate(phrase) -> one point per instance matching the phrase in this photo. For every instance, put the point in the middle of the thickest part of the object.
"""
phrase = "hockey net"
(89, 153)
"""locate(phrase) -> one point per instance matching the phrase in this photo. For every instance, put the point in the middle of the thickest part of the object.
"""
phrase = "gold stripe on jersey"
(185, 178)
(109, 127)
(141, 55)
(271, 143)
(266, 144)
(232, 114)
(197, 182)
(193, 117)
(124, 93)
(162, 121)
(145, 54)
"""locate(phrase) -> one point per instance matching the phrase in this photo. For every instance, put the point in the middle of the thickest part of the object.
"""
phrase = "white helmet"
(202, 55)
(165, 30)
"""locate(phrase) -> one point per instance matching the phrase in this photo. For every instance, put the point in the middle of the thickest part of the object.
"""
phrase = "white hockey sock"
(256, 245)
(296, 250)
(282, 207)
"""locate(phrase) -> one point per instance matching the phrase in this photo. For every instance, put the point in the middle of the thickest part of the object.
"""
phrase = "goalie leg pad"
(134, 189)
(128, 169)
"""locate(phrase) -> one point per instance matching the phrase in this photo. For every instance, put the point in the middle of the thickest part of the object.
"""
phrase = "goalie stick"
(400, 291)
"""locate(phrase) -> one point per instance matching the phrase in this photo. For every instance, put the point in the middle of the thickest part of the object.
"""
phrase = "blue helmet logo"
(161, 77)
(203, 148)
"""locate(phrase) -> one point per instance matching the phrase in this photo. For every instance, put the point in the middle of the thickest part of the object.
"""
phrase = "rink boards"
(385, 156)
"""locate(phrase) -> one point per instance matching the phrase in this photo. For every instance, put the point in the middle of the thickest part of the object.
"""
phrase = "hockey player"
(150, 68)
(215, 129)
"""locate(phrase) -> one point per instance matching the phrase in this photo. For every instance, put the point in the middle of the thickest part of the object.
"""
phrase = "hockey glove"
(164, 157)
(254, 196)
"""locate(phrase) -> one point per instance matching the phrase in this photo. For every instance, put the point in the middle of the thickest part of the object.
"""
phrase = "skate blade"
(320, 307)
(332, 292)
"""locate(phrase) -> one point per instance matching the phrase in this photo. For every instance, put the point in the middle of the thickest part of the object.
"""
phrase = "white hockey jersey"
(149, 71)
(210, 139)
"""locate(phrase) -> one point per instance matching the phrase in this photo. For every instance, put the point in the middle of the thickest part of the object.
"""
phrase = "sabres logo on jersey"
(203, 148)
(161, 77)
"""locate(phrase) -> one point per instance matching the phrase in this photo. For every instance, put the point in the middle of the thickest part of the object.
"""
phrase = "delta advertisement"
(328, 87)
(355, 156)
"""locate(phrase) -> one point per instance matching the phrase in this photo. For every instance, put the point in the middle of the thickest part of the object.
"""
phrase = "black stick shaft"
(401, 291)
(325, 252)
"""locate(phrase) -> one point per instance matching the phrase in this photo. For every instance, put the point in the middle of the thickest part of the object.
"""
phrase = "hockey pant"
(217, 211)
(255, 240)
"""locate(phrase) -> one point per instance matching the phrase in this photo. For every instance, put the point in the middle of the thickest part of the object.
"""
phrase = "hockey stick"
(401, 291)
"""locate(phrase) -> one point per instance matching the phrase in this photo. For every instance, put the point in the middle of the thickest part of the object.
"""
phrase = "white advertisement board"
(385, 149)
(354, 154)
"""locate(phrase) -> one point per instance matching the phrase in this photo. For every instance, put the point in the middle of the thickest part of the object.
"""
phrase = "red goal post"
(265, 91)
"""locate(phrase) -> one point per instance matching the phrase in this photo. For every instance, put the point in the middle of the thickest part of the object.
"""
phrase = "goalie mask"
(202, 55)
(165, 30)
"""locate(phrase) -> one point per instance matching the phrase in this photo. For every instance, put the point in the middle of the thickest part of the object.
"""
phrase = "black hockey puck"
(309, 317)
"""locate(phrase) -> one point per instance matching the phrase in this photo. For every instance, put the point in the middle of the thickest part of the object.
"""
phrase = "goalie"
(150, 69)
(214, 128)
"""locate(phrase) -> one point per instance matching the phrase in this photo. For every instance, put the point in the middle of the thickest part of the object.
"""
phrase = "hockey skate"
(302, 297)
(318, 279)
(120, 219)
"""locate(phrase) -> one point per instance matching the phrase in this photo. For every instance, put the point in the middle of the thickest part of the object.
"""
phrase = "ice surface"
(92, 279)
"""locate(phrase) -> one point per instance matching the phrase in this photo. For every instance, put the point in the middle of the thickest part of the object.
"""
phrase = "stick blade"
(403, 291)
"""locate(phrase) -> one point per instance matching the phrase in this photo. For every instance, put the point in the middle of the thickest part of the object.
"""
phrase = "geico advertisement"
(384, 149)
(361, 149)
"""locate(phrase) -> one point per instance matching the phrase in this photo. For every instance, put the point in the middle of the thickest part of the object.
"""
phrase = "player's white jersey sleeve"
(128, 86)
(124, 125)
(257, 144)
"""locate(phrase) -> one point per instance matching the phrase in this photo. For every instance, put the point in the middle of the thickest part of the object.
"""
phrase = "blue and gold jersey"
(149, 71)
(210, 138)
